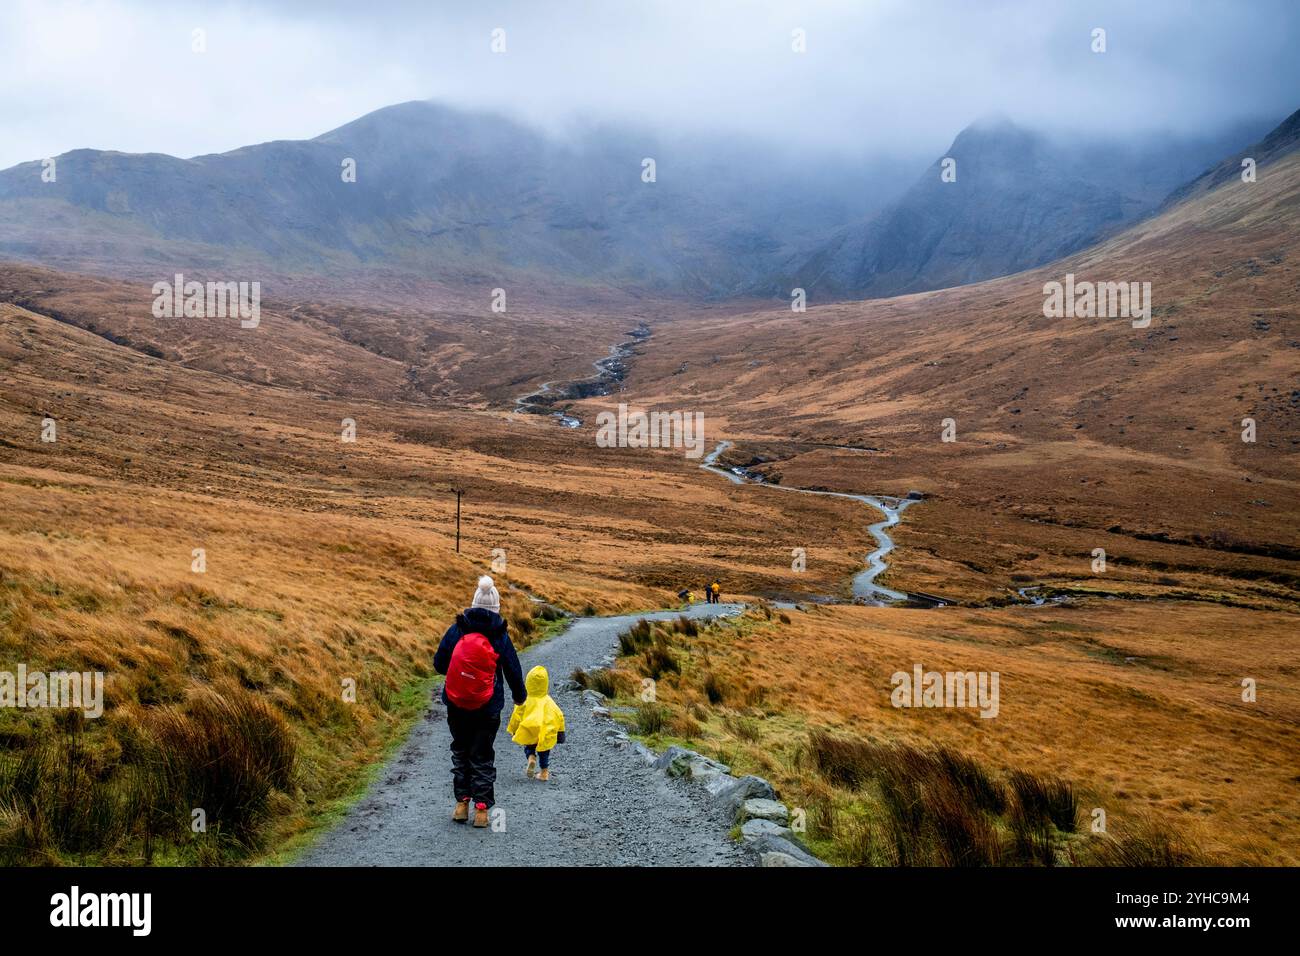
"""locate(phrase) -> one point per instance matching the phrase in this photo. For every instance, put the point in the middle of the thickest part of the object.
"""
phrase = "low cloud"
(890, 76)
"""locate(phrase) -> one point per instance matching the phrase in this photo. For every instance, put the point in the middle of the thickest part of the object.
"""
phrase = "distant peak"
(996, 121)
(996, 132)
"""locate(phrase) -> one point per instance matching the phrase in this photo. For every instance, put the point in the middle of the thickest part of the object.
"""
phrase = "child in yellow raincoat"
(537, 724)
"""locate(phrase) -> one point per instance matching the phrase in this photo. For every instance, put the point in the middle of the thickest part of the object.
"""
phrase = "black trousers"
(473, 757)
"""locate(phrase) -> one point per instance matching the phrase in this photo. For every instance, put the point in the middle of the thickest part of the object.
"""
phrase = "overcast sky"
(878, 75)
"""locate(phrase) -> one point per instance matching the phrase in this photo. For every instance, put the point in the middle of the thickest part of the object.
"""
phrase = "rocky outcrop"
(763, 809)
(778, 851)
(751, 830)
(680, 762)
(731, 793)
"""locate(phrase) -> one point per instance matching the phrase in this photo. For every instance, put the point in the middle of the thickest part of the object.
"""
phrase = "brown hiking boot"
(544, 775)
(461, 813)
(480, 815)
(531, 769)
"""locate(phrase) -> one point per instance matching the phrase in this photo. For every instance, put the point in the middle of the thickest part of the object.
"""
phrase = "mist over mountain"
(1015, 199)
(476, 197)
(457, 195)
(1279, 142)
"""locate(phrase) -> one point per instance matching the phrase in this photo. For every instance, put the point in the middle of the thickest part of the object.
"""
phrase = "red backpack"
(472, 674)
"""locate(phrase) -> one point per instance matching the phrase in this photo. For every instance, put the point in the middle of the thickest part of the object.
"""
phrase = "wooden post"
(459, 492)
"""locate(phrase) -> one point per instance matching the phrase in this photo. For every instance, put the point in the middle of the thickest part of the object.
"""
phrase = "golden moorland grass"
(329, 561)
(324, 563)
(1132, 704)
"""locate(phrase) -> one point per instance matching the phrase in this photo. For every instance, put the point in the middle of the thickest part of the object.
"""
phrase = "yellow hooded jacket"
(538, 720)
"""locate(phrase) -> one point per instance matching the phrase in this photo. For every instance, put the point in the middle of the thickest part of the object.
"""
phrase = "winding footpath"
(602, 806)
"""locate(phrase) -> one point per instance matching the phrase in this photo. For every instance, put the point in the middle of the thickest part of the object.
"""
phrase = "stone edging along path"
(750, 801)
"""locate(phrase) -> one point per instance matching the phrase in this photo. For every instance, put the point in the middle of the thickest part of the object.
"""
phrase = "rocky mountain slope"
(465, 197)
(439, 192)
(1015, 199)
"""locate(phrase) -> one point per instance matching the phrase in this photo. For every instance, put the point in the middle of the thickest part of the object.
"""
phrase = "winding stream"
(609, 372)
(865, 587)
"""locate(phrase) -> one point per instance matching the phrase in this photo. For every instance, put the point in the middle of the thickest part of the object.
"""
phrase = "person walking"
(538, 725)
(479, 661)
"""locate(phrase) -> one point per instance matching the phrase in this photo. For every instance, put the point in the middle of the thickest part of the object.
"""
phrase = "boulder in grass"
(761, 809)
(680, 762)
(730, 793)
(751, 830)
(776, 850)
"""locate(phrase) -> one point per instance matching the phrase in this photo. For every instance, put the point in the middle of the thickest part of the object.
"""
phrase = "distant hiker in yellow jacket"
(537, 724)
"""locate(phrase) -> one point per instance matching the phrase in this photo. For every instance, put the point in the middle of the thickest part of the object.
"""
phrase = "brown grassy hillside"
(325, 562)
(329, 561)
(1072, 434)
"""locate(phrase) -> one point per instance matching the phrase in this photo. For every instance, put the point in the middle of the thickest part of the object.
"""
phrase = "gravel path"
(602, 806)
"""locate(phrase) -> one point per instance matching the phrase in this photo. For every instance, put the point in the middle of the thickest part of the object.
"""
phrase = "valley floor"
(327, 561)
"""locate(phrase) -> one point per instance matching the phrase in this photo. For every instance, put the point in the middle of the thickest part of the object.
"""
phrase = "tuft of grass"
(650, 719)
(714, 688)
(135, 790)
(746, 728)
(635, 638)
(1145, 842)
(658, 660)
(840, 761)
(972, 779)
(1042, 800)
(942, 808)
(605, 681)
(224, 753)
(684, 726)
(548, 612)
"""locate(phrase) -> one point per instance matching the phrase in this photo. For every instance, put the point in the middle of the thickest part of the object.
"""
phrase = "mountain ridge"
(1018, 200)
(470, 197)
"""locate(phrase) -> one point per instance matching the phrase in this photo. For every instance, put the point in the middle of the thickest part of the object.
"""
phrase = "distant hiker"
(475, 654)
(715, 593)
(686, 595)
(708, 593)
(538, 724)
